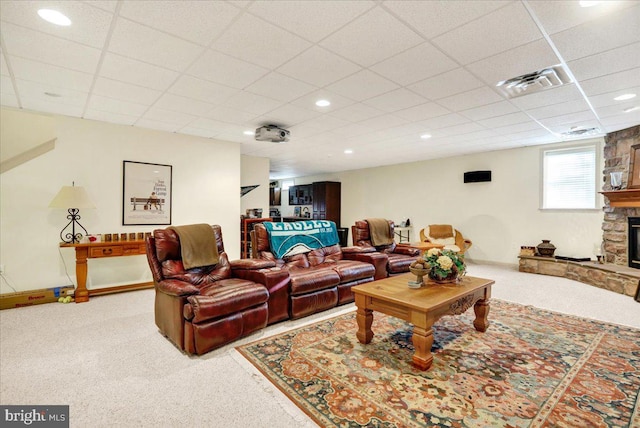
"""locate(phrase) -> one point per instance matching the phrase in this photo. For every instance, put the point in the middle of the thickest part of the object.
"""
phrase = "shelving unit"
(246, 226)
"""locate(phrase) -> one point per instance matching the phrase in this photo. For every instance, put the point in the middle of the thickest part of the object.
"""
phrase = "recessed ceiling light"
(630, 109)
(54, 17)
(248, 132)
(625, 97)
(348, 152)
(587, 3)
(323, 103)
(425, 136)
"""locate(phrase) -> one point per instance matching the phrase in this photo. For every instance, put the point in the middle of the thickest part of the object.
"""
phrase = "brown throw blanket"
(198, 245)
(379, 231)
(440, 231)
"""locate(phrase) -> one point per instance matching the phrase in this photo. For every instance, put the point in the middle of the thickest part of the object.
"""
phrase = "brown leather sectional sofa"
(201, 309)
(322, 278)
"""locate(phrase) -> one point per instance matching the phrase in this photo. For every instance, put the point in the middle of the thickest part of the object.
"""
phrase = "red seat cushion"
(353, 270)
(312, 279)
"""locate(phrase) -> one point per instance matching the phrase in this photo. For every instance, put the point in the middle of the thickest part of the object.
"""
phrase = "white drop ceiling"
(393, 71)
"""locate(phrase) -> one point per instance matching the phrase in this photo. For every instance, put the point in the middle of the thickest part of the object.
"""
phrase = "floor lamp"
(72, 198)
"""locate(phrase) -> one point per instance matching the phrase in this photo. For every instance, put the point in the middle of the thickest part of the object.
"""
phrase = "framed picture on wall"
(634, 168)
(146, 193)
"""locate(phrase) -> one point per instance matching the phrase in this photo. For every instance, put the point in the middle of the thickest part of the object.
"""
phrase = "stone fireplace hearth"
(615, 235)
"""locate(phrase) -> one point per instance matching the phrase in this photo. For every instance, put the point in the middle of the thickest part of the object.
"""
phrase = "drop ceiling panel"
(319, 67)
(607, 99)
(308, 101)
(34, 71)
(507, 119)
(287, 115)
(90, 25)
(225, 114)
(499, 108)
(197, 21)
(125, 91)
(158, 125)
(612, 82)
(559, 109)
(399, 99)
(422, 112)
(184, 104)
(356, 112)
(446, 84)
(363, 43)
(512, 26)
(434, 18)
(362, 85)
(41, 105)
(415, 64)
(618, 29)
(254, 103)
(37, 92)
(467, 100)
(557, 16)
(608, 62)
(280, 87)
(259, 42)
(547, 97)
(146, 44)
(311, 20)
(226, 70)
(116, 67)
(25, 43)
(202, 90)
(110, 105)
(168, 116)
(105, 116)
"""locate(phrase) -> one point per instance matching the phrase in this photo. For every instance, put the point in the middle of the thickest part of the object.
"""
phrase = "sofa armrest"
(406, 250)
(251, 264)
(277, 282)
(357, 250)
(378, 260)
(174, 287)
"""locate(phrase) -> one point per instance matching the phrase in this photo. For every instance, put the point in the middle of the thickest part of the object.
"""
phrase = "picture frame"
(634, 167)
(146, 193)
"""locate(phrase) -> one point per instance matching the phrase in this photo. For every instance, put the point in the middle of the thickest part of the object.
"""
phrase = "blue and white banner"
(291, 238)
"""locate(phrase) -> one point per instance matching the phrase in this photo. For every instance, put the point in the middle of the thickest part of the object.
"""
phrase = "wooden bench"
(145, 202)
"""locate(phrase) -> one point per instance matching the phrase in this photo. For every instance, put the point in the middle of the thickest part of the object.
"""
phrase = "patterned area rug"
(531, 368)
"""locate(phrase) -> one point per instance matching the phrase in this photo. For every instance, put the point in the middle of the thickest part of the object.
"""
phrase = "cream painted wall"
(206, 183)
(255, 170)
(498, 216)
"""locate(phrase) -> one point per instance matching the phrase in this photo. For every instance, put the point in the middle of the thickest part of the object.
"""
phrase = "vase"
(546, 248)
(452, 278)
(420, 274)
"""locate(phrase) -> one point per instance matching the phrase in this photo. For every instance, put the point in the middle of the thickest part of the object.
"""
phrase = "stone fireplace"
(615, 226)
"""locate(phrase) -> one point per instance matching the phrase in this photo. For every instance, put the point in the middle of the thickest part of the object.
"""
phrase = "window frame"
(596, 145)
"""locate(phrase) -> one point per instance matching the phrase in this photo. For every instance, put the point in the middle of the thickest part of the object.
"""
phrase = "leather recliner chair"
(203, 308)
(399, 256)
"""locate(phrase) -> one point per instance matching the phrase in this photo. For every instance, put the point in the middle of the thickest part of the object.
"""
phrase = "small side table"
(403, 233)
(96, 250)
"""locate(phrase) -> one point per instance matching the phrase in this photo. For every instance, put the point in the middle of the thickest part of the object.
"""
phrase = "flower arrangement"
(445, 264)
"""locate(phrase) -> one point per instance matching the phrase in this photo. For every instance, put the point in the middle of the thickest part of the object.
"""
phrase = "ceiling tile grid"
(392, 70)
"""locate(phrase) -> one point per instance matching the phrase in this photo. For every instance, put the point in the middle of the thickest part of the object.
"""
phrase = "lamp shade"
(72, 197)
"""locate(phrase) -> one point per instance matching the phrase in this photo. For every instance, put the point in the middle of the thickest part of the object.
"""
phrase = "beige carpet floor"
(106, 359)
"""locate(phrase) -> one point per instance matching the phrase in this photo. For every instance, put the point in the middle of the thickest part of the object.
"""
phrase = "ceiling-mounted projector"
(272, 133)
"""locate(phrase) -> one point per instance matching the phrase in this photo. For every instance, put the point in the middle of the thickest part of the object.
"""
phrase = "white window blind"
(569, 178)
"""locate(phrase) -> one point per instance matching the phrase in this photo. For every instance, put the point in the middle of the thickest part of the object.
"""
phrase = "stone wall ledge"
(616, 278)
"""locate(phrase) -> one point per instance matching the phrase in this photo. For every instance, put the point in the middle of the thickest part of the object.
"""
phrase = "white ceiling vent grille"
(550, 77)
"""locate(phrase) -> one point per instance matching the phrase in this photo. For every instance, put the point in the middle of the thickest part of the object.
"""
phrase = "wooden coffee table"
(422, 307)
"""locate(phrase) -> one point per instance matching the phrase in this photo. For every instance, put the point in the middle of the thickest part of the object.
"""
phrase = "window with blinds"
(569, 178)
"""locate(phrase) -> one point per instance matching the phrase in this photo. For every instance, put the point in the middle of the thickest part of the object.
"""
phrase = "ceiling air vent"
(577, 132)
(550, 77)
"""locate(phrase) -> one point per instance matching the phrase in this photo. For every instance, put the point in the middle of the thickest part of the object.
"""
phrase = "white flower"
(433, 252)
(445, 262)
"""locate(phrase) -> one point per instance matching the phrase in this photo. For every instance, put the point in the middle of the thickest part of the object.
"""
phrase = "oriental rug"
(531, 368)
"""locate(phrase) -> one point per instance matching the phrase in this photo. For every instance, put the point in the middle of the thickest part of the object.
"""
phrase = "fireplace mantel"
(628, 198)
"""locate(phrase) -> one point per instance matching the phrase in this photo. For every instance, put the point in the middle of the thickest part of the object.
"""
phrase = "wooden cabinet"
(301, 195)
(246, 226)
(274, 196)
(326, 201)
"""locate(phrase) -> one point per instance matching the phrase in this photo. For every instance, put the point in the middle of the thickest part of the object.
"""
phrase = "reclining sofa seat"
(321, 278)
(399, 257)
(203, 308)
